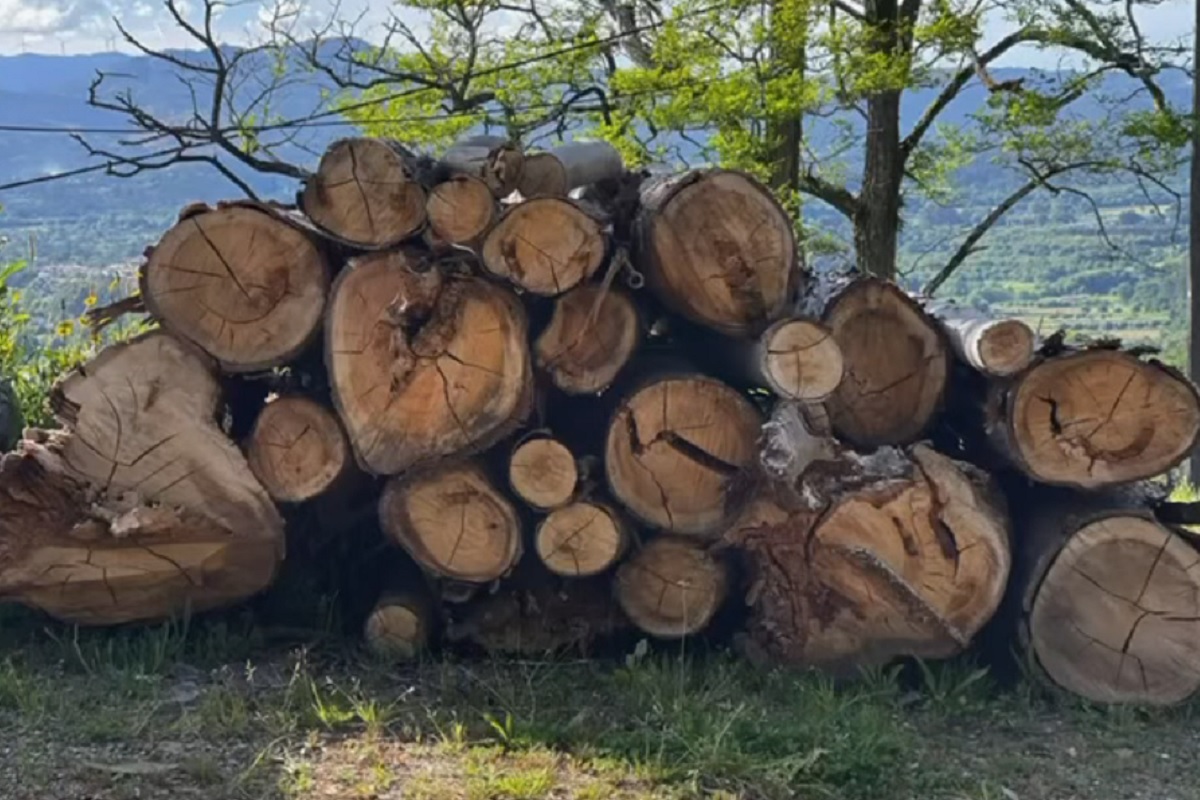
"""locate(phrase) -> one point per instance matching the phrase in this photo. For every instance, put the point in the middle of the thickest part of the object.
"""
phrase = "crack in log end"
(1056, 427)
(695, 453)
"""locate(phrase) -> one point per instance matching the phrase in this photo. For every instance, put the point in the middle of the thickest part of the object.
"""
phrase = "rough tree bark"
(569, 166)
(994, 347)
(493, 159)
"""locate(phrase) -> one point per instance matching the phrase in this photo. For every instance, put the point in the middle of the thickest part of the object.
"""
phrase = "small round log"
(492, 159)
(672, 587)
(460, 210)
(592, 334)
(546, 246)
(995, 347)
(297, 448)
(542, 472)
(581, 539)
(799, 360)
(398, 627)
(569, 166)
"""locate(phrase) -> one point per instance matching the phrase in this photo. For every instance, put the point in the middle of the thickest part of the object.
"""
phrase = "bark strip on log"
(1095, 418)
(297, 448)
(366, 192)
(492, 159)
(460, 209)
(398, 627)
(1109, 598)
(672, 587)
(895, 554)
(569, 166)
(676, 450)
(592, 333)
(896, 361)
(453, 522)
(717, 248)
(424, 364)
(581, 539)
(240, 282)
(542, 472)
(546, 246)
(995, 347)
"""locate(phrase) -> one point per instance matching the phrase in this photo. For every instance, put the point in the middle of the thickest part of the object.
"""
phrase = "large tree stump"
(1095, 418)
(672, 587)
(366, 192)
(297, 448)
(240, 282)
(424, 364)
(546, 246)
(453, 522)
(1109, 598)
(581, 539)
(887, 555)
(717, 248)
(896, 365)
(592, 333)
(569, 166)
(676, 450)
(143, 510)
(460, 209)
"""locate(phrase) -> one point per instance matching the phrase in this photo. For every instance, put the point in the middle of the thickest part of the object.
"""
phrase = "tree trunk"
(569, 166)
(367, 193)
(677, 450)
(672, 587)
(542, 472)
(1109, 600)
(399, 626)
(1094, 418)
(545, 246)
(493, 159)
(896, 365)
(143, 509)
(717, 248)
(581, 539)
(453, 522)
(893, 554)
(994, 347)
(297, 448)
(592, 334)
(241, 282)
(460, 210)
(424, 364)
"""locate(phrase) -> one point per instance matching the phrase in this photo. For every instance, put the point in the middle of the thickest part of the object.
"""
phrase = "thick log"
(546, 246)
(143, 509)
(366, 192)
(888, 555)
(297, 448)
(994, 347)
(242, 283)
(453, 522)
(1094, 418)
(399, 625)
(424, 364)
(676, 451)
(492, 159)
(717, 248)
(542, 472)
(581, 539)
(1109, 600)
(556, 172)
(672, 587)
(460, 210)
(896, 365)
(592, 333)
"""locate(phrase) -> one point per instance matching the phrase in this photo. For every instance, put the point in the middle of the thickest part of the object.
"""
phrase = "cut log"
(542, 472)
(717, 248)
(1109, 598)
(592, 333)
(569, 166)
(672, 587)
(1095, 418)
(896, 361)
(676, 450)
(892, 554)
(995, 347)
(545, 246)
(493, 159)
(581, 539)
(460, 210)
(399, 626)
(297, 448)
(366, 192)
(243, 284)
(143, 510)
(424, 365)
(453, 522)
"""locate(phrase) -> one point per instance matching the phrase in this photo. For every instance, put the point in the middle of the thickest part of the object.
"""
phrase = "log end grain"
(460, 209)
(546, 246)
(592, 334)
(543, 175)
(801, 360)
(1004, 347)
(297, 448)
(580, 539)
(397, 627)
(542, 472)
(672, 587)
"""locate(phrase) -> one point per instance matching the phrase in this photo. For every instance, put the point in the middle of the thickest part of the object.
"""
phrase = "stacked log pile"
(585, 400)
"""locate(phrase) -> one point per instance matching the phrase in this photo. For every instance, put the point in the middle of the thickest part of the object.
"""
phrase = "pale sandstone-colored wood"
(581, 539)
(546, 246)
(460, 209)
(592, 334)
(672, 587)
(542, 472)
(297, 448)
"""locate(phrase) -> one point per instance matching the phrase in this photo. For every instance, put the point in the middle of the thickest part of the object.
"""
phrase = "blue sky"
(84, 26)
